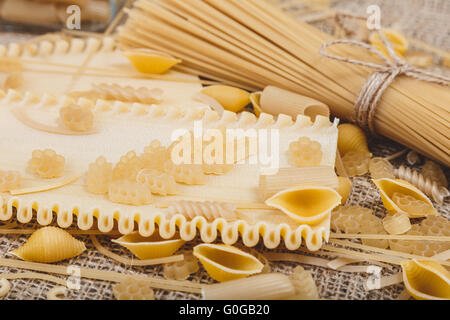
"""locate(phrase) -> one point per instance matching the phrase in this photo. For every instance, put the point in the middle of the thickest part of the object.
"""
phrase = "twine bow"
(379, 81)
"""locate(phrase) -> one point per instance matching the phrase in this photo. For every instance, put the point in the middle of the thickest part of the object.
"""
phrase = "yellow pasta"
(426, 280)
(400, 196)
(47, 164)
(397, 40)
(419, 59)
(130, 193)
(190, 174)
(133, 289)
(9, 180)
(433, 171)
(9, 65)
(355, 219)
(352, 138)
(356, 163)
(181, 270)
(99, 176)
(151, 61)
(231, 99)
(76, 118)
(210, 210)
(305, 287)
(149, 247)
(305, 153)
(13, 81)
(157, 182)
(306, 204)
(50, 244)
(224, 262)
(128, 167)
(381, 168)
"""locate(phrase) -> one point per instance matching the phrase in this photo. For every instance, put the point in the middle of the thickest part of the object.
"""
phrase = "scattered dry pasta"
(133, 289)
(130, 193)
(190, 174)
(76, 118)
(305, 153)
(356, 163)
(126, 94)
(305, 287)
(9, 180)
(381, 168)
(47, 164)
(433, 171)
(355, 219)
(210, 210)
(181, 270)
(99, 176)
(430, 226)
(157, 182)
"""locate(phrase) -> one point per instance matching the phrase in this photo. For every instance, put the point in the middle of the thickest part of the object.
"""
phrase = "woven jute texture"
(426, 20)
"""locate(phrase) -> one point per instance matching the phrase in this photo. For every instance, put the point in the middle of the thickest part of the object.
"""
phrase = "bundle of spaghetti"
(253, 44)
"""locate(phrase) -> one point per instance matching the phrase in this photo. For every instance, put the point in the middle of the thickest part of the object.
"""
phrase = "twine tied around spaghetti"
(380, 80)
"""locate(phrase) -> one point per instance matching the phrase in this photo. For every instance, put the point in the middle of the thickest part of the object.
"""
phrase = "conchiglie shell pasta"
(149, 247)
(232, 99)
(389, 187)
(224, 262)
(306, 204)
(151, 61)
(426, 280)
(50, 244)
(351, 138)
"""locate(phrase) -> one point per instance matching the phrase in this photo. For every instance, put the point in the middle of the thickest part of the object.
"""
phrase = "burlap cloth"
(426, 20)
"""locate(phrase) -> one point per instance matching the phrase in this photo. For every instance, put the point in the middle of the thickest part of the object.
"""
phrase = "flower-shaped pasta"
(47, 164)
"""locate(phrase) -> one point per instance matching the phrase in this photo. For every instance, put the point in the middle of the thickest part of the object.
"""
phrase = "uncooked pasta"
(224, 40)
(211, 210)
(47, 164)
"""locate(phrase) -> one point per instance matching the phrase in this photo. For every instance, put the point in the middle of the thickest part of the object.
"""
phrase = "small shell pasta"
(76, 118)
(381, 168)
(181, 270)
(50, 244)
(130, 193)
(305, 153)
(397, 223)
(356, 163)
(9, 180)
(208, 209)
(47, 164)
(5, 286)
(133, 289)
(99, 176)
(157, 182)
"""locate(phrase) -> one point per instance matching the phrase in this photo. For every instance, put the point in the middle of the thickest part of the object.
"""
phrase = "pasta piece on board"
(47, 164)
